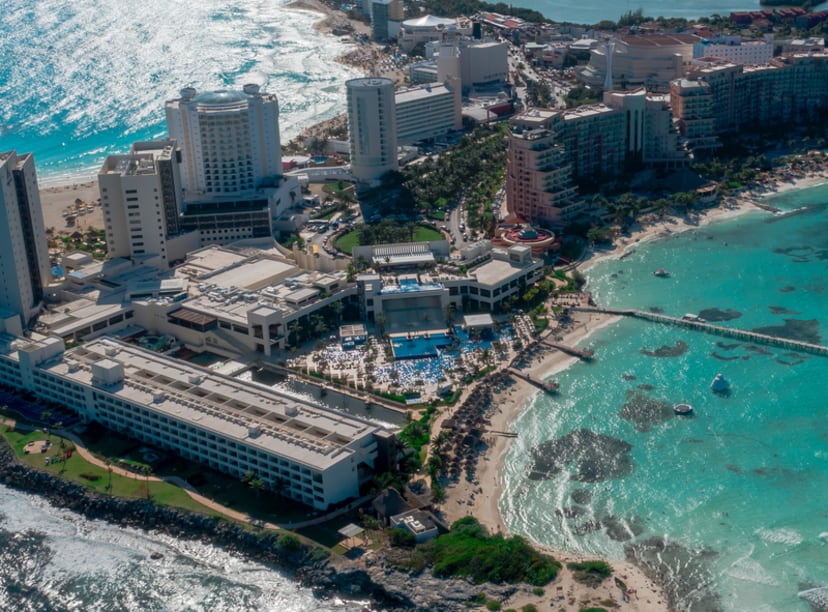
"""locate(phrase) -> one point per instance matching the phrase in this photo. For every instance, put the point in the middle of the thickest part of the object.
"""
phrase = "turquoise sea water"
(733, 497)
(80, 80)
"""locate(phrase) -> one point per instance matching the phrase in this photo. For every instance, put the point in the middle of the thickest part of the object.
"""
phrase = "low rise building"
(418, 523)
(649, 60)
(736, 50)
(307, 453)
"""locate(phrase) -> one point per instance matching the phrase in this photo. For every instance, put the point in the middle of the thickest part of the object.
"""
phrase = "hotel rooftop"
(262, 418)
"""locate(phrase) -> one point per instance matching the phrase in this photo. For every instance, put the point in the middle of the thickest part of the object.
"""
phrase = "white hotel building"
(372, 127)
(229, 140)
(428, 111)
(309, 454)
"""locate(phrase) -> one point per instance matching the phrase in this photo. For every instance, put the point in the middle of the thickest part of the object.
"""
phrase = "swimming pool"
(419, 346)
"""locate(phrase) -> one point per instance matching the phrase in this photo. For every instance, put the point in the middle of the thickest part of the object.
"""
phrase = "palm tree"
(109, 471)
(336, 309)
(294, 328)
(257, 485)
(46, 417)
(146, 470)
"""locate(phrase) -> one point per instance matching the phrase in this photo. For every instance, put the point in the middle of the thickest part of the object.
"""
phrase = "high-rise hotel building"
(140, 199)
(24, 256)
(229, 140)
(372, 127)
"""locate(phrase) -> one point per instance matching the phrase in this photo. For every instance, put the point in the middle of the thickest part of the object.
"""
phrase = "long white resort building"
(310, 454)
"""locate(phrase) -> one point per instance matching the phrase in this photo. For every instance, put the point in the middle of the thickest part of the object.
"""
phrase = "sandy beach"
(58, 201)
(481, 500)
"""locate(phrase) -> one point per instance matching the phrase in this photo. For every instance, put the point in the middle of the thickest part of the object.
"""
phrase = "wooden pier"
(583, 354)
(717, 330)
(548, 386)
(505, 434)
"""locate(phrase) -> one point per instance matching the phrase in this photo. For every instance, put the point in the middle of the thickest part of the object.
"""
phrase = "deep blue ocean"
(82, 80)
(734, 497)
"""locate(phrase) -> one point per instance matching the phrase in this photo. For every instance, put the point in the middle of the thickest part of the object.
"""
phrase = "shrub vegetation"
(469, 551)
(590, 572)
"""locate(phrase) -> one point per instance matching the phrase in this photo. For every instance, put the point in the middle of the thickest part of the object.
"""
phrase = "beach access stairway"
(710, 328)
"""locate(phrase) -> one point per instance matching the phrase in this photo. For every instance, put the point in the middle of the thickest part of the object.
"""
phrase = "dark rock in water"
(588, 527)
(656, 309)
(628, 377)
(156, 555)
(730, 467)
(667, 351)
(581, 496)
(570, 512)
(596, 457)
(797, 254)
(787, 362)
(794, 329)
(646, 387)
(759, 350)
(815, 594)
(716, 355)
(781, 310)
(644, 411)
(787, 289)
(684, 574)
(622, 530)
(714, 314)
(728, 346)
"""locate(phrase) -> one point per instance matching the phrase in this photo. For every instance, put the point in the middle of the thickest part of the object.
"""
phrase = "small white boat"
(661, 273)
(683, 409)
(720, 384)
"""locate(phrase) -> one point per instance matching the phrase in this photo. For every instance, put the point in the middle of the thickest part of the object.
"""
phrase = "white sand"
(57, 200)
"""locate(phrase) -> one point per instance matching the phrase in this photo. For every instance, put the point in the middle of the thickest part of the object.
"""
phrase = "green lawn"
(346, 242)
(423, 234)
(78, 470)
(226, 490)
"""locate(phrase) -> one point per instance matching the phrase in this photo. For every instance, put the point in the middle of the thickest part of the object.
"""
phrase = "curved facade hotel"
(372, 127)
(229, 140)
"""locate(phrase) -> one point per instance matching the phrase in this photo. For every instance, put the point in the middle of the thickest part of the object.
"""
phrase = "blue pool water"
(419, 346)
(736, 494)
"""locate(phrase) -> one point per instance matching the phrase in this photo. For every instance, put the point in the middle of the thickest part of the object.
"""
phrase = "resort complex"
(353, 320)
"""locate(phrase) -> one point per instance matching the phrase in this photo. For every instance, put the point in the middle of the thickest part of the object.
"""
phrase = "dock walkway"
(718, 330)
(583, 354)
(548, 386)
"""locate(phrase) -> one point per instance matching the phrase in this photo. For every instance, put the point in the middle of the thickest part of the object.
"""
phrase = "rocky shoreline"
(374, 580)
